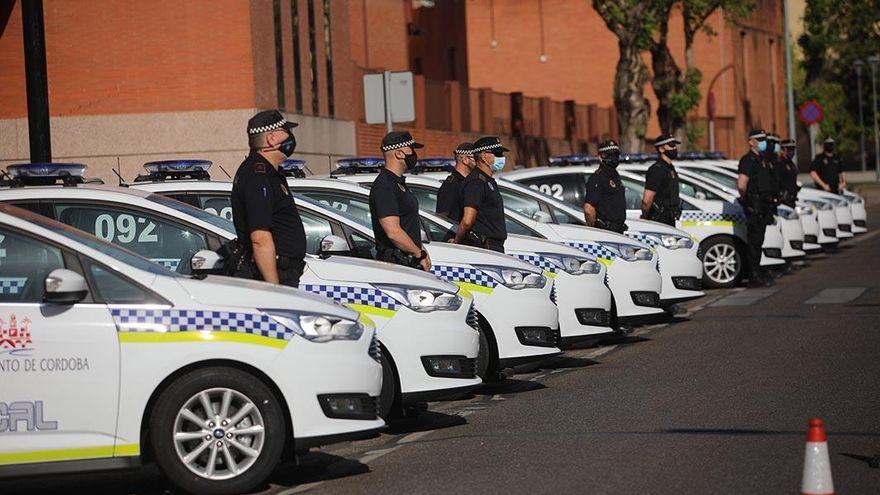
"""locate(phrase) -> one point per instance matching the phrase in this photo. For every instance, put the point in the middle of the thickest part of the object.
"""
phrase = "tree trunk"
(633, 109)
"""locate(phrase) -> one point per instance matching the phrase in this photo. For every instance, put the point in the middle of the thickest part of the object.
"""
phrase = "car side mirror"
(424, 236)
(64, 286)
(333, 244)
(700, 195)
(205, 261)
(542, 217)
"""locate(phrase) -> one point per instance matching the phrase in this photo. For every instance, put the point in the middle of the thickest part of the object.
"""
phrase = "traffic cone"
(817, 467)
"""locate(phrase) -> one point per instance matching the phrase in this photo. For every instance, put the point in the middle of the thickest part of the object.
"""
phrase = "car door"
(59, 363)
(215, 202)
(568, 187)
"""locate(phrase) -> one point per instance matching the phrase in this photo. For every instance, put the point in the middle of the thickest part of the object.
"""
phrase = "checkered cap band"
(398, 145)
(354, 295)
(596, 250)
(12, 285)
(182, 320)
(758, 135)
(610, 147)
(169, 263)
(705, 216)
(462, 274)
(539, 261)
(666, 141)
(647, 239)
(488, 147)
(267, 128)
(463, 152)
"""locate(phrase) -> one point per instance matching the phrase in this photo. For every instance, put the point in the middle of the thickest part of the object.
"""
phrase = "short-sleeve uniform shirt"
(480, 191)
(663, 180)
(261, 200)
(607, 195)
(760, 173)
(389, 197)
(449, 197)
(828, 168)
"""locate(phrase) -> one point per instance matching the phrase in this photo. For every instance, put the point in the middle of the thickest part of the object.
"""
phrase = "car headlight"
(421, 299)
(317, 327)
(787, 214)
(821, 205)
(672, 241)
(573, 264)
(513, 278)
(629, 252)
(842, 202)
(805, 210)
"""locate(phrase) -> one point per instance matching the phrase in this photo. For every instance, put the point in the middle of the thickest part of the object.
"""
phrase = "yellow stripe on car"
(198, 336)
(372, 310)
(69, 454)
(713, 223)
(474, 287)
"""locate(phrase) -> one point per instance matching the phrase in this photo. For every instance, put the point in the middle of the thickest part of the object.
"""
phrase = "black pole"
(37, 85)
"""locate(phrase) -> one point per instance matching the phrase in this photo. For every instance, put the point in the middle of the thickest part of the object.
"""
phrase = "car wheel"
(487, 357)
(217, 431)
(722, 263)
(389, 398)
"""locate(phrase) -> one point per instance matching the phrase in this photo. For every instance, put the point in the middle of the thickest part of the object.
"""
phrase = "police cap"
(399, 139)
(489, 144)
(829, 140)
(789, 143)
(464, 149)
(773, 137)
(608, 147)
(758, 134)
(268, 120)
(664, 139)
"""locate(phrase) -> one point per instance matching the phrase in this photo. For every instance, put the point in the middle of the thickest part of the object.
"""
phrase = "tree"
(632, 21)
(677, 90)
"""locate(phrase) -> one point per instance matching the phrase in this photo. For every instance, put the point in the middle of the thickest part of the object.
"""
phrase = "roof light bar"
(293, 167)
(434, 165)
(46, 170)
(365, 165)
(179, 166)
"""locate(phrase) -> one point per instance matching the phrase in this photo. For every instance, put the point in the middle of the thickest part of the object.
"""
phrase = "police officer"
(757, 190)
(605, 201)
(786, 172)
(266, 219)
(483, 212)
(394, 209)
(660, 200)
(449, 199)
(825, 169)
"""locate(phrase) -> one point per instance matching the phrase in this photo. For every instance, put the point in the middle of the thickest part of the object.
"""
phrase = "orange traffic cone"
(817, 467)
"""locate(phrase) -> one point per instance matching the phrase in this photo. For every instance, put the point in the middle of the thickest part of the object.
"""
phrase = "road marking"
(865, 236)
(744, 297)
(838, 295)
(300, 488)
(498, 397)
(600, 351)
(464, 413)
(375, 454)
(412, 437)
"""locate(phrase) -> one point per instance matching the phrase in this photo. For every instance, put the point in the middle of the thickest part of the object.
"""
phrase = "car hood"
(251, 294)
(442, 253)
(528, 244)
(345, 269)
(582, 233)
(640, 225)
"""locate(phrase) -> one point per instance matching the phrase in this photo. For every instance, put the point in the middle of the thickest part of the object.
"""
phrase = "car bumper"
(626, 278)
(792, 239)
(772, 247)
(681, 273)
(584, 304)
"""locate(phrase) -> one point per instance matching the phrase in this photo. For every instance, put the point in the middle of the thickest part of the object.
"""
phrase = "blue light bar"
(46, 170)
(360, 163)
(178, 166)
(436, 164)
(573, 160)
(716, 155)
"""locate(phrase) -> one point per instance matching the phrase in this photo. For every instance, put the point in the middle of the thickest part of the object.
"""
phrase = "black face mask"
(671, 154)
(611, 160)
(288, 145)
(829, 148)
(410, 160)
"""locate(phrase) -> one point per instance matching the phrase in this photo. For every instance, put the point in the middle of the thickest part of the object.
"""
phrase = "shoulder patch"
(260, 168)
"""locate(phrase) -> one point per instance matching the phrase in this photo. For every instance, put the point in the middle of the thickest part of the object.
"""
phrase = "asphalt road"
(715, 402)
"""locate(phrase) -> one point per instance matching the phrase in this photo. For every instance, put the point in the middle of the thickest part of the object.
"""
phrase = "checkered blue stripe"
(539, 261)
(705, 216)
(354, 295)
(647, 239)
(12, 285)
(596, 250)
(182, 320)
(462, 274)
(169, 263)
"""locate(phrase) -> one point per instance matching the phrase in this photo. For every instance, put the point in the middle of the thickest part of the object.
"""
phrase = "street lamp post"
(858, 65)
(874, 60)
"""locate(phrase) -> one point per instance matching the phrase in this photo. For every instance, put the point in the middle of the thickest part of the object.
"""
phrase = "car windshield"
(719, 177)
(321, 206)
(117, 253)
(186, 209)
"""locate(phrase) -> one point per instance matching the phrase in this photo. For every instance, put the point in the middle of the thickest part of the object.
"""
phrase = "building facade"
(131, 82)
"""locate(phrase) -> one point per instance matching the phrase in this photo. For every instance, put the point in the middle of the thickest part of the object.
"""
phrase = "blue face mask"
(498, 164)
(762, 145)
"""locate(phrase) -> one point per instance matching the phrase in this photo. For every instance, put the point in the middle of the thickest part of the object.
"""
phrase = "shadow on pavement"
(749, 431)
(425, 421)
(508, 386)
(315, 466)
(567, 362)
(148, 480)
(624, 340)
(870, 460)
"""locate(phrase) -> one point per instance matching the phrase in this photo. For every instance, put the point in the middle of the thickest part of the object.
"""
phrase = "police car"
(634, 282)
(718, 227)
(109, 360)
(429, 350)
(515, 315)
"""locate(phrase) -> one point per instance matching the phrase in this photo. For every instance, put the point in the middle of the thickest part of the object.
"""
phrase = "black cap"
(773, 137)
(789, 143)
(268, 120)
(464, 149)
(829, 140)
(758, 134)
(608, 146)
(664, 139)
(399, 139)
(489, 144)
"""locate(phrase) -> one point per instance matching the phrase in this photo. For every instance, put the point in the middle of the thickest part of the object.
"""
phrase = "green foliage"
(694, 131)
(682, 102)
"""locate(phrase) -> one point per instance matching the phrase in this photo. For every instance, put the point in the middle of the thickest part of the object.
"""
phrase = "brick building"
(134, 81)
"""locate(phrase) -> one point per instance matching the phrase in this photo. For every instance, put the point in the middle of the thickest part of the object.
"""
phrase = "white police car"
(429, 351)
(109, 360)
(515, 315)
(719, 228)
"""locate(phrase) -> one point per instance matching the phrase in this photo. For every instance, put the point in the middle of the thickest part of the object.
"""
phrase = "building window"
(313, 56)
(328, 51)
(297, 60)
(279, 53)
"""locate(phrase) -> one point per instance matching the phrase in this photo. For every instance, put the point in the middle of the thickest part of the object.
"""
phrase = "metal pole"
(711, 134)
(874, 60)
(36, 80)
(386, 83)
(858, 66)
(788, 82)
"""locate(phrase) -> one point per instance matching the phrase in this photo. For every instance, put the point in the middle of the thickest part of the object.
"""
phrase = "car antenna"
(121, 180)
(224, 170)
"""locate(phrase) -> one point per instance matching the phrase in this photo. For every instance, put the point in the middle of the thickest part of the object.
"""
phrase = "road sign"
(388, 98)
(810, 113)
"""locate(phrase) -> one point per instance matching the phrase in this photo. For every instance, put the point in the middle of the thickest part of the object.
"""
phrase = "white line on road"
(375, 454)
(412, 437)
(838, 295)
(300, 488)
(864, 237)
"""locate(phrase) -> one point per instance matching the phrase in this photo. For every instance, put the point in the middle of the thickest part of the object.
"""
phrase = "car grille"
(860, 223)
(845, 227)
(687, 283)
(473, 320)
(773, 252)
(799, 245)
(811, 239)
(553, 294)
(830, 232)
(468, 367)
(375, 352)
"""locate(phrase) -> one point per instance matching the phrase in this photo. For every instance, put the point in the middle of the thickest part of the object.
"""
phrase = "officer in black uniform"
(757, 190)
(660, 200)
(266, 219)
(483, 213)
(449, 199)
(786, 172)
(825, 170)
(605, 201)
(394, 209)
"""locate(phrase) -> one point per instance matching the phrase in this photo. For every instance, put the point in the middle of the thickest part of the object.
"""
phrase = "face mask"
(611, 160)
(762, 145)
(288, 145)
(410, 160)
(671, 154)
(498, 164)
(829, 148)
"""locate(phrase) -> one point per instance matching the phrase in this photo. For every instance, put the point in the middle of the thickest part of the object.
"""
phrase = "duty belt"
(618, 227)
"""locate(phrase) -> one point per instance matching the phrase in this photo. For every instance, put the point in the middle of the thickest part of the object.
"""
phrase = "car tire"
(389, 398)
(722, 262)
(251, 405)
(487, 357)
